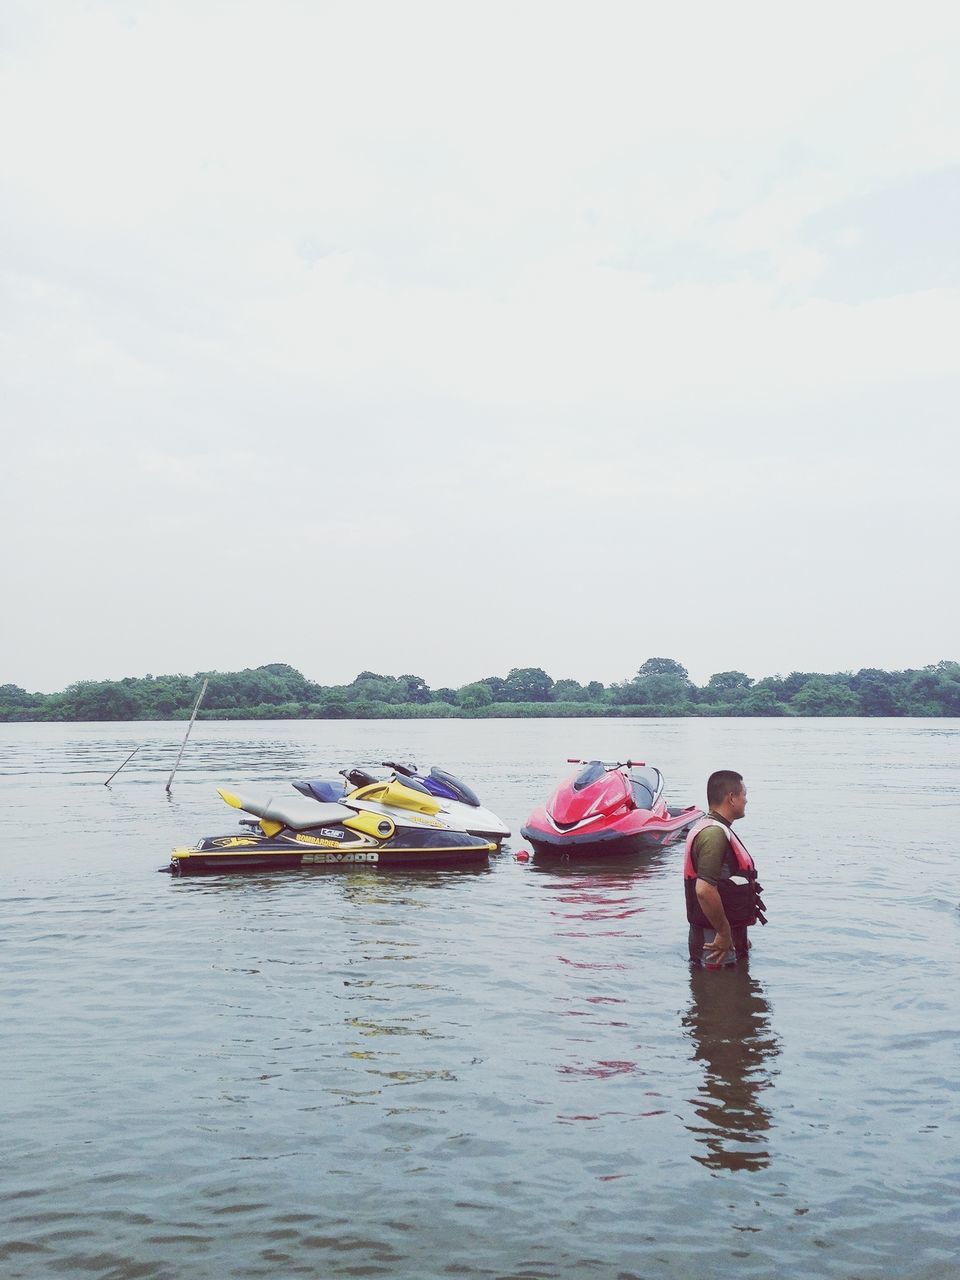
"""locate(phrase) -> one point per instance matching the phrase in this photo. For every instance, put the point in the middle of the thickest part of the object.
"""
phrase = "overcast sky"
(451, 337)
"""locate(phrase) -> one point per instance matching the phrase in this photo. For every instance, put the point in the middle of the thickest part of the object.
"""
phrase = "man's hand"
(715, 952)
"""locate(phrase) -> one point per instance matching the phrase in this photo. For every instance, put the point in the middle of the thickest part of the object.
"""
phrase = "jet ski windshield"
(593, 771)
(459, 789)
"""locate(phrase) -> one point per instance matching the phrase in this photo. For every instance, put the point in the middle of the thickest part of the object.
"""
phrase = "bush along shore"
(661, 687)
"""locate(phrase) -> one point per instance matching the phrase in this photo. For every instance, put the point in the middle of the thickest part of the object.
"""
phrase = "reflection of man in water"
(729, 1024)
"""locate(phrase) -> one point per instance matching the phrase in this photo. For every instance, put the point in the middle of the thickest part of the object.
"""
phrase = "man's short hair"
(722, 784)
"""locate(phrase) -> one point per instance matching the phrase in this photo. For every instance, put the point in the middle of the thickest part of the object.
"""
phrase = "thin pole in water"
(196, 707)
(116, 771)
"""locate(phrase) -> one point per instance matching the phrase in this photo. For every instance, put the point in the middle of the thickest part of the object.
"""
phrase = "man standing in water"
(719, 906)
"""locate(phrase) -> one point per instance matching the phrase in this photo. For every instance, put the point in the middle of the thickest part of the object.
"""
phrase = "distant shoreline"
(661, 689)
(442, 712)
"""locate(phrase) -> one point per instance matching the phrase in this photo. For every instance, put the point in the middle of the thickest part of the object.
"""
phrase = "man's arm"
(708, 896)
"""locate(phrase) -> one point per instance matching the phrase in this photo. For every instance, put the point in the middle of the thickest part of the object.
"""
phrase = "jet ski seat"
(297, 813)
(646, 783)
(329, 790)
(301, 815)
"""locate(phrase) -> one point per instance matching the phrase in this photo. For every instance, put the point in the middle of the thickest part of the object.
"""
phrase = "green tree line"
(661, 687)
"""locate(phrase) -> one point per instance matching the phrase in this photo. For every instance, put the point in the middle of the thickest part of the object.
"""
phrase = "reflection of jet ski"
(387, 825)
(607, 810)
(459, 804)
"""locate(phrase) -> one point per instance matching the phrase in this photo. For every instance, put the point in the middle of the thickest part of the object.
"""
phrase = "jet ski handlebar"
(608, 764)
(408, 770)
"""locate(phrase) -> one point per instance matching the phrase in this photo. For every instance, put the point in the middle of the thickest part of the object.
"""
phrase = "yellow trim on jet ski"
(371, 824)
(394, 793)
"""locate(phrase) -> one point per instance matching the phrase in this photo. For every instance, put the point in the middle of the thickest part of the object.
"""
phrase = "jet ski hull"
(643, 834)
(293, 851)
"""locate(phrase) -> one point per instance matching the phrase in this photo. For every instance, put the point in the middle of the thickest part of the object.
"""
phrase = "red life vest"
(742, 903)
(743, 859)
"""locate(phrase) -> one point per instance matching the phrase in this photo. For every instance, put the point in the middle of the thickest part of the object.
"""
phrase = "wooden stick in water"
(116, 771)
(196, 707)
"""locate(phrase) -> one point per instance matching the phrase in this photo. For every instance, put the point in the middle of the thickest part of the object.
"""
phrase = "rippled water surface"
(501, 1073)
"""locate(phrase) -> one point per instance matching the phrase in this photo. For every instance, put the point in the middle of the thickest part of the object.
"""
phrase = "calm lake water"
(503, 1073)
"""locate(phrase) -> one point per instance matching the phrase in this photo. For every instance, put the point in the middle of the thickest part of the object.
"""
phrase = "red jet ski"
(607, 810)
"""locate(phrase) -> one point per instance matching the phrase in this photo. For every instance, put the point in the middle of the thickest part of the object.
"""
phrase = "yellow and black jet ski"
(385, 824)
